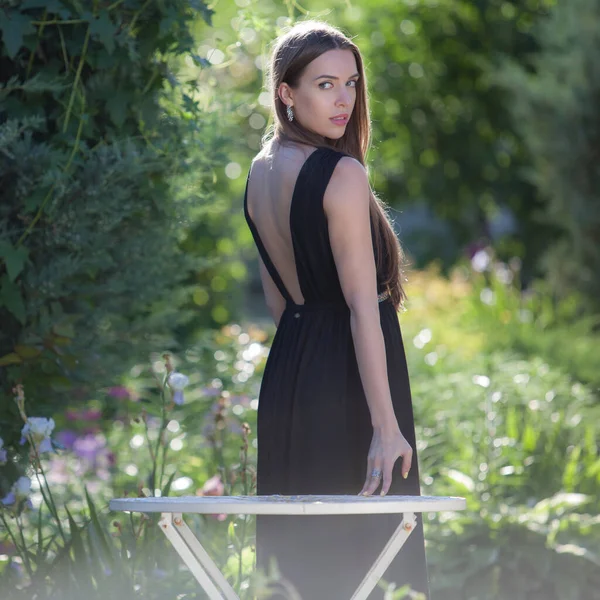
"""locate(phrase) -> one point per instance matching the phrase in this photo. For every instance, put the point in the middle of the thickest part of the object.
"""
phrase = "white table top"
(290, 505)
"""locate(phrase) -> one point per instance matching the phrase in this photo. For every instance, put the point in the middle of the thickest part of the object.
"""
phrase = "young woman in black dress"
(335, 410)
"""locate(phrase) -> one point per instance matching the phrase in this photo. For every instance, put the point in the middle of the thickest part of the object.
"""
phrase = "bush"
(103, 168)
(510, 429)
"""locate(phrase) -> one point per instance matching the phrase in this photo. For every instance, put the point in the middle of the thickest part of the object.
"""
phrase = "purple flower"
(211, 391)
(177, 381)
(67, 438)
(119, 391)
(9, 499)
(89, 447)
(3, 456)
(93, 414)
(46, 445)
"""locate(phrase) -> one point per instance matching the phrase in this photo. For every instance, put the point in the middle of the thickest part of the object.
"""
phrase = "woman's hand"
(386, 447)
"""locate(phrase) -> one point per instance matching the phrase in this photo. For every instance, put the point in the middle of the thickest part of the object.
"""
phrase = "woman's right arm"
(346, 204)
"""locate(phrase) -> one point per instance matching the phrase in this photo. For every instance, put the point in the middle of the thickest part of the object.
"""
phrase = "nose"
(344, 99)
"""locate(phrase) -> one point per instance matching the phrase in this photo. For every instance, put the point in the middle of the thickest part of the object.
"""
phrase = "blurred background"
(126, 133)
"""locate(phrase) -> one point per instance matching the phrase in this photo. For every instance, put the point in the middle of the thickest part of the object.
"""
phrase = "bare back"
(272, 181)
(312, 254)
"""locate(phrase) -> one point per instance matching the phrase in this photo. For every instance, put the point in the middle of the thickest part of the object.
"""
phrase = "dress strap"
(263, 251)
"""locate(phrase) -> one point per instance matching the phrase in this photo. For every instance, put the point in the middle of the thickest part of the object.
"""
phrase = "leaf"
(109, 554)
(14, 258)
(530, 437)
(207, 13)
(167, 489)
(117, 108)
(14, 26)
(64, 330)
(201, 62)
(34, 200)
(560, 502)
(27, 351)
(461, 478)
(105, 30)
(82, 568)
(10, 296)
(40, 541)
(10, 359)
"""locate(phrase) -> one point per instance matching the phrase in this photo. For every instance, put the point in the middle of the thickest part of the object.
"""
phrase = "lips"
(341, 119)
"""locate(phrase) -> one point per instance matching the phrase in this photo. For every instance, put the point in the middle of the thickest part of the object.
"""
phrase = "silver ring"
(375, 473)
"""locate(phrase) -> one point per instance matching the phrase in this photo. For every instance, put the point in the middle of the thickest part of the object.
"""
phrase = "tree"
(555, 107)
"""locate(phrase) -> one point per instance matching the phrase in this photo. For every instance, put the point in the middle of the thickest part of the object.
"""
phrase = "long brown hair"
(292, 52)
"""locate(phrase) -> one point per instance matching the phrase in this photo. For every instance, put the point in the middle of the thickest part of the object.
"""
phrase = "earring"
(290, 113)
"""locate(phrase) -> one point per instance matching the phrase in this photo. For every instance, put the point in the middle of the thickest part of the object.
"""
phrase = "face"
(326, 89)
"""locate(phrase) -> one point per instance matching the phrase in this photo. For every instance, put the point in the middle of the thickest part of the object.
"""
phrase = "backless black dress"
(314, 427)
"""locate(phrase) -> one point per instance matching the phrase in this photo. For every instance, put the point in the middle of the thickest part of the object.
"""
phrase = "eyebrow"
(334, 77)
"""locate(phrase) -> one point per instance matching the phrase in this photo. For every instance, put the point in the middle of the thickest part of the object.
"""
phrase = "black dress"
(314, 427)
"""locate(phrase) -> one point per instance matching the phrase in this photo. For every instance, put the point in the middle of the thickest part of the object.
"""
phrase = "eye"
(354, 81)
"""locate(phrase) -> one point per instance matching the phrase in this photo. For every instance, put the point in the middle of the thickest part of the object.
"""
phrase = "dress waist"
(339, 305)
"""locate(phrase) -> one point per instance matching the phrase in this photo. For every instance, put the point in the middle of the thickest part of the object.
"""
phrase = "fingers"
(373, 477)
(406, 462)
(387, 477)
(372, 483)
(368, 477)
(380, 465)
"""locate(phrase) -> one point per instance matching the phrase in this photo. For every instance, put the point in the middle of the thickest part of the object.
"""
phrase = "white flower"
(177, 381)
(22, 487)
(480, 261)
(39, 428)
(19, 491)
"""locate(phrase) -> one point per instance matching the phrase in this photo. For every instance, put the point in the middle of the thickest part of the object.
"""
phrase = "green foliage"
(72, 545)
(536, 323)
(451, 132)
(554, 104)
(516, 556)
(514, 434)
(511, 431)
(112, 204)
(442, 131)
(106, 161)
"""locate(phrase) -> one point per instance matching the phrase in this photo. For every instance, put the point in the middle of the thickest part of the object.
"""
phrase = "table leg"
(382, 562)
(195, 557)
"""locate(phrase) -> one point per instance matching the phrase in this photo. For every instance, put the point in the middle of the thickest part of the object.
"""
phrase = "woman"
(335, 411)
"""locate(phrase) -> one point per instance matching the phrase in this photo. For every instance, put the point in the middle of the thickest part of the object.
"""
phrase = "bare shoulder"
(348, 184)
(260, 159)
